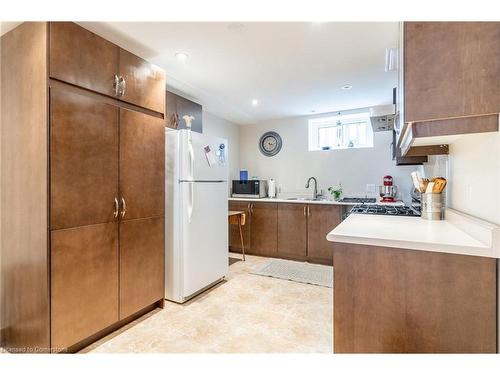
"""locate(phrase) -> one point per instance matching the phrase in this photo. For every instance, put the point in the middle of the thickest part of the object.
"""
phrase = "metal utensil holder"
(432, 206)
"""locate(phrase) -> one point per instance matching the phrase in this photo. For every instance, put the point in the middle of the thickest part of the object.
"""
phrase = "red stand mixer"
(388, 191)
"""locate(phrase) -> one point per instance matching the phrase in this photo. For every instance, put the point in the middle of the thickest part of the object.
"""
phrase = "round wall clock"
(270, 143)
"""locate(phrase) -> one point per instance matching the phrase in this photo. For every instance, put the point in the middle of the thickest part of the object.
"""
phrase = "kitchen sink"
(307, 199)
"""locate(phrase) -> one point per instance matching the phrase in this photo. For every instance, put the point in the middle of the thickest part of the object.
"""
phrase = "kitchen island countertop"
(458, 234)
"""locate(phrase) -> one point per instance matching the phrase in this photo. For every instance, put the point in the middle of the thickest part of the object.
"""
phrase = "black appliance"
(249, 189)
(377, 209)
(358, 200)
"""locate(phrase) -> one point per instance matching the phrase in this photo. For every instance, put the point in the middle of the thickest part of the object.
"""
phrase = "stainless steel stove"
(377, 209)
(358, 200)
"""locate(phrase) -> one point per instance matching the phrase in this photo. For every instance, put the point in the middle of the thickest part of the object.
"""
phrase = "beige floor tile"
(244, 314)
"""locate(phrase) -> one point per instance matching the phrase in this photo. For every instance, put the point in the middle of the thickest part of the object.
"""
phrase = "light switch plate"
(371, 189)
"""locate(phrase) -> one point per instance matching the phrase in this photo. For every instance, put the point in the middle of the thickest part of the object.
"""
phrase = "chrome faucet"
(315, 186)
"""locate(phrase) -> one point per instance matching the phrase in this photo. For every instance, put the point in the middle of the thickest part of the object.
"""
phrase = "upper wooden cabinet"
(84, 59)
(177, 107)
(449, 83)
(451, 69)
(144, 82)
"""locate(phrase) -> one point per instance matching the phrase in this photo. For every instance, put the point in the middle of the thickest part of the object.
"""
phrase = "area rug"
(301, 272)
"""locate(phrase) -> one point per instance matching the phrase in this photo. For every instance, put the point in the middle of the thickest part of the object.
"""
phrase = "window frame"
(341, 121)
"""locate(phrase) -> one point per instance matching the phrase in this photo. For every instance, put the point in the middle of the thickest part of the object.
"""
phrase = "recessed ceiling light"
(235, 27)
(346, 87)
(255, 102)
(181, 56)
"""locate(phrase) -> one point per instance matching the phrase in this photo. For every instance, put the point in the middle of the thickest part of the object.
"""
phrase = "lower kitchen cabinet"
(264, 225)
(234, 232)
(390, 300)
(84, 282)
(141, 264)
(286, 230)
(292, 229)
(321, 219)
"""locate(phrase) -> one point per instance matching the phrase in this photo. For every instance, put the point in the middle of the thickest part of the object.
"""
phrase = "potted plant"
(335, 191)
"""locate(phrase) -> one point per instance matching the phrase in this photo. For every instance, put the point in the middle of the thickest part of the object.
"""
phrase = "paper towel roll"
(271, 188)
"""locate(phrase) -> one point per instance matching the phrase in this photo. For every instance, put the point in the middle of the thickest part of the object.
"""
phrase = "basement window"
(340, 132)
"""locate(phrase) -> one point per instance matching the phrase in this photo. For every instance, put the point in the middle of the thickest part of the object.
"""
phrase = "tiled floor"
(245, 314)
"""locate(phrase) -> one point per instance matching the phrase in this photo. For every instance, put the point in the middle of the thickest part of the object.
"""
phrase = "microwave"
(249, 189)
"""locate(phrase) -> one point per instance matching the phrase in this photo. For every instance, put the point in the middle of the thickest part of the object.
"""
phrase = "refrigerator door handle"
(190, 202)
(191, 155)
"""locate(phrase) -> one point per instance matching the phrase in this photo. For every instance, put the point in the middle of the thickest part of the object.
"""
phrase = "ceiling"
(291, 68)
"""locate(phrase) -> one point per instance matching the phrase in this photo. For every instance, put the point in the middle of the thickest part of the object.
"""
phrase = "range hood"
(382, 117)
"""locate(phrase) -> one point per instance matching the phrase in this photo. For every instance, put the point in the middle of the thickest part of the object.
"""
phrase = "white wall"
(216, 126)
(474, 185)
(354, 168)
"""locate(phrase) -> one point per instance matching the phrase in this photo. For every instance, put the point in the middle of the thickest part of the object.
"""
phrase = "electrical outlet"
(371, 189)
(469, 193)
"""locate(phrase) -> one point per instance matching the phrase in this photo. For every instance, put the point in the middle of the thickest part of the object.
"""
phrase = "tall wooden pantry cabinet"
(83, 161)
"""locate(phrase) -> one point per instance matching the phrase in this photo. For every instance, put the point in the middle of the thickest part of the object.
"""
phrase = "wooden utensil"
(439, 184)
(416, 182)
(430, 187)
(423, 185)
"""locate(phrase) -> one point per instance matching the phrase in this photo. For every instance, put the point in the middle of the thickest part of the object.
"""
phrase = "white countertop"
(308, 201)
(460, 234)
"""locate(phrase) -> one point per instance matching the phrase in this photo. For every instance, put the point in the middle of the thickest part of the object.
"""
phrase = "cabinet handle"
(124, 205)
(251, 208)
(123, 86)
(304, 210)
(248, 208)
(116, 85)
(117, 208)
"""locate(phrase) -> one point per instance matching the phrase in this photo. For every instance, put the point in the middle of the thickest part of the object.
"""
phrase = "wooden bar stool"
(238, 217)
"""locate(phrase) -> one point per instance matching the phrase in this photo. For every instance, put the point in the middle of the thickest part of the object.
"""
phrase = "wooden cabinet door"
(177, 107)
(83, 160)
(84, 282)
(145, 84)
(292, 229)
(451, 69)
(264, 229)
(82, 58)
(450, 304)
(369, 299)
(321, 220)
(142, 164)
(234, 231)
(141, 264)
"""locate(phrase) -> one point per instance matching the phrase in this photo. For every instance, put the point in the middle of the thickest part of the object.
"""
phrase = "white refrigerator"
(196, 235)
